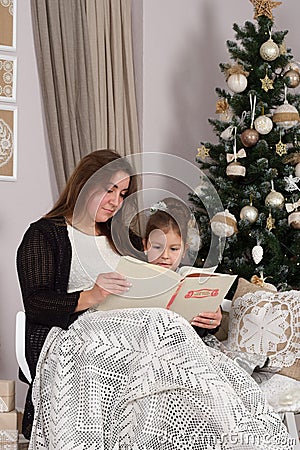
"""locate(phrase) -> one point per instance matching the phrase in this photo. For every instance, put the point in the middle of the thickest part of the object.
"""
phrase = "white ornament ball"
(223, 224)
(263, 124)
(237, 82)
(269, 50)
(235, 170)
(249, 213)
(294, 220)
(297, 170)
(257, 254)
(274, 200)
(286, 116)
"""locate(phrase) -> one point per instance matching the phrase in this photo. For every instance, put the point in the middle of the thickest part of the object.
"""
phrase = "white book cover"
(188, 293)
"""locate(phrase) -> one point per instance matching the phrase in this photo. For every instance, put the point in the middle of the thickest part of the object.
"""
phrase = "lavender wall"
(184, 42)
(27, 198)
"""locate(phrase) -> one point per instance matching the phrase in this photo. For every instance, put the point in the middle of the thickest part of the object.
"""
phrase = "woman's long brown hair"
(87, 167)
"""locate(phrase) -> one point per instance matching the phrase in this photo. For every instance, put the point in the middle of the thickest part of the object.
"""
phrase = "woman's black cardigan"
(43, 265)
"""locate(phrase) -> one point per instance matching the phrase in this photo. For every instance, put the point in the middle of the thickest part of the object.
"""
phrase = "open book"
(188, 293)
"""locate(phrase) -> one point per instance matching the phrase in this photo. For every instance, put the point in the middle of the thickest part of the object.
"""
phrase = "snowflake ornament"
(291, 183)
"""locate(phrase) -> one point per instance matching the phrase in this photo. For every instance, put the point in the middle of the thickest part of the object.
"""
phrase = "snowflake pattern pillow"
(267, 323)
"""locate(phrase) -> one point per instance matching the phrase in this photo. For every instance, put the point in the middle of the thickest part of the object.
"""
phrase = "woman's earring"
(145, 252)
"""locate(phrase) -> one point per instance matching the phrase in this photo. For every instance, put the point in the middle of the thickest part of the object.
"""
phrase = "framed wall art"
(8, 78)
(8, 143)
(8, 12)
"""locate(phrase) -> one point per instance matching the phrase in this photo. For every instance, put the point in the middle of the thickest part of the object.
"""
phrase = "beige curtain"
(85, 64)
(64, 65)
(109, 24)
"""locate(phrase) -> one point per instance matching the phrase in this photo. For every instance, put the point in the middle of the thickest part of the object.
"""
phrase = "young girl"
(165, 244)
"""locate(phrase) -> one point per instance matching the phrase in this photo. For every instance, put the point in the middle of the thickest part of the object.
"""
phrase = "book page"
(147, 279)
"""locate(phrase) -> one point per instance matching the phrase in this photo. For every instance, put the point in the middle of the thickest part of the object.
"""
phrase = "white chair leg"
(20, 344)
(292, 428)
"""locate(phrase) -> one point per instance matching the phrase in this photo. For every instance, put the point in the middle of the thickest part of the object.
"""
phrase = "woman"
(47, 254)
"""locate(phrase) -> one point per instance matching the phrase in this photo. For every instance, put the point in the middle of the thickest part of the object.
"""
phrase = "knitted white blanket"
(142, 379)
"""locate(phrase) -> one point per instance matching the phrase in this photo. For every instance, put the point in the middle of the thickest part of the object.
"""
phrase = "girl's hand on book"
(209, 320)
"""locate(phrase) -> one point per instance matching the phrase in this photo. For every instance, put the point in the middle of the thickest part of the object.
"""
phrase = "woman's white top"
(91, 255)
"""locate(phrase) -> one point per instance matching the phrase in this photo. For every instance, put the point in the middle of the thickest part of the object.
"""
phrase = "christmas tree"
(255, 166)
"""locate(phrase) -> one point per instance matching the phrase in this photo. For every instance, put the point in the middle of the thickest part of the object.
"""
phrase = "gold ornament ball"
(294, 220)
(237, 82)
(263, 124)
(269, 50)
(291, 66)
(249, 137)
(293, 78)
(235, 170)
(297, 170)
(249, 213)
(274, 200)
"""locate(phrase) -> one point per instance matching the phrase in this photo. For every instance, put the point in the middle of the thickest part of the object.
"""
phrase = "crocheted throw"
(142, 379)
